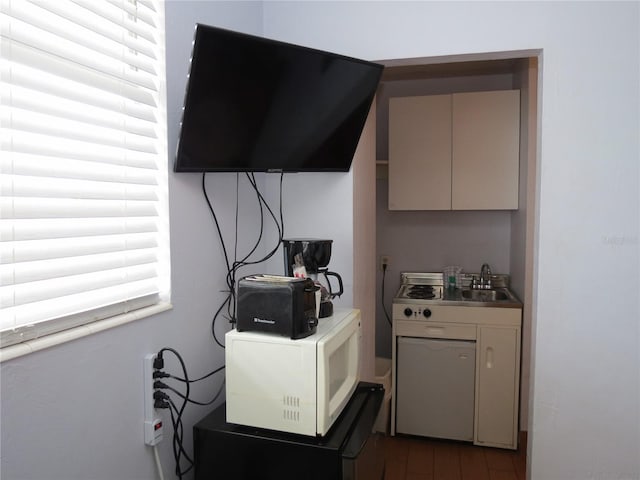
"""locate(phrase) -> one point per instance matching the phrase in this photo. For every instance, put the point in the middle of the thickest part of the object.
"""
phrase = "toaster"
(277, 304)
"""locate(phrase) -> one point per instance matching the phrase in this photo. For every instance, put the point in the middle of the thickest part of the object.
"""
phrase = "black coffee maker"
(313, 255)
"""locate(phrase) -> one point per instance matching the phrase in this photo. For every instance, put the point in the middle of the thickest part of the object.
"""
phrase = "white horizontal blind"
(83, 193)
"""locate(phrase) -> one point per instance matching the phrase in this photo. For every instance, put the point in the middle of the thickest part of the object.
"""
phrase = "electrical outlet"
(384, 261)
(152, 420)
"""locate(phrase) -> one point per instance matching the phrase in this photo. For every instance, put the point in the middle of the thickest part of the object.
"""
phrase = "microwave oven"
(293, 385)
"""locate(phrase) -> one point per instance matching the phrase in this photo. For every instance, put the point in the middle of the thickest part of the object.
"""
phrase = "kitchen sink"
(485, 295)
(471, 297)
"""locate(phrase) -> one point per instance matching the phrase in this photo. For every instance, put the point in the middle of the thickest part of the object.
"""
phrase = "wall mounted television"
(259, 105)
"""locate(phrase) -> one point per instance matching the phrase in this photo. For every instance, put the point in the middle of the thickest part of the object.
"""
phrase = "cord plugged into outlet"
(152, 422)
(385, 260)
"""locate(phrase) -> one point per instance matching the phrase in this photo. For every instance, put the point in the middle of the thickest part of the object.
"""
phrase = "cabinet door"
(497, 386)
(420, 153)
(486, 145)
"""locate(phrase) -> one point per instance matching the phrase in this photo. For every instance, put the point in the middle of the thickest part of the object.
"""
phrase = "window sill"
(30, 346)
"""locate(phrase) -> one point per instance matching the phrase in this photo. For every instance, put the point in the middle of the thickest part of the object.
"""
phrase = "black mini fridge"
(351, 450)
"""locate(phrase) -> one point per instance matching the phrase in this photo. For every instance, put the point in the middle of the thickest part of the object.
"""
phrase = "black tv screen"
(259, 105)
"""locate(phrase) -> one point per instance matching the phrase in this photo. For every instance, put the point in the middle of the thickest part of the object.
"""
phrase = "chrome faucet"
(485, 276)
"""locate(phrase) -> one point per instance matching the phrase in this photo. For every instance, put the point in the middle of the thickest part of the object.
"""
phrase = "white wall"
(319, 205)
(586, 374)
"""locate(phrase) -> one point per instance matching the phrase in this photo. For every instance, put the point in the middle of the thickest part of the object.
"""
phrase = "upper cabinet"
(420, 153)
(485, 154)
(454, 152)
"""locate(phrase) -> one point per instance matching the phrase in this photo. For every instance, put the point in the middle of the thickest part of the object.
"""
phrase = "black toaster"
(276, 304)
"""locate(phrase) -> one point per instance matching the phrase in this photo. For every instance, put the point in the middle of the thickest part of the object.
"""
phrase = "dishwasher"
(435, 387)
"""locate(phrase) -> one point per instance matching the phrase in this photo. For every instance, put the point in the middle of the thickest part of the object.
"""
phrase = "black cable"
(166, 375)
(163, 385)
(281, 215)
(261, 200)
(178, 448)
(163, 400)
(215, 219)
(177, 433)
(178, 428)
(384, 308)
(215, 317)
(226, 257)
(233, 267)
(237, 264)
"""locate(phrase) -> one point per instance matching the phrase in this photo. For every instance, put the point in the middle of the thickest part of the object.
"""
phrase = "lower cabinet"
(497, 386)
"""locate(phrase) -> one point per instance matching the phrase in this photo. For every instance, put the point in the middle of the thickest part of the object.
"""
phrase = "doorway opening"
(427, 240)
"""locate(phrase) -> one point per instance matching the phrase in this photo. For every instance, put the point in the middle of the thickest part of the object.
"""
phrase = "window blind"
(83, 192)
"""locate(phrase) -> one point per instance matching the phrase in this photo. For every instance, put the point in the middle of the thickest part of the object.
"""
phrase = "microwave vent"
(291, 401)
(291, 411)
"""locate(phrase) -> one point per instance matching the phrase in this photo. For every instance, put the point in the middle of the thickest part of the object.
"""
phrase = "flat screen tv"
(259, 105)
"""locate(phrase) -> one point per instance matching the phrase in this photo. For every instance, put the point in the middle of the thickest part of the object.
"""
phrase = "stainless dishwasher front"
(435, 387)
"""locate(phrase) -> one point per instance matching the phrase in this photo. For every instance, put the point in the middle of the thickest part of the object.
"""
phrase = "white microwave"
(298, 386)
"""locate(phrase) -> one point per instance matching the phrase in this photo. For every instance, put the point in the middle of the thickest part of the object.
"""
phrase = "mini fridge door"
(435, 388)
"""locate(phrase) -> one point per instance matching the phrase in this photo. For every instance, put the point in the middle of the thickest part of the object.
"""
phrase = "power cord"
(384, 308)
(158, 464)
(160, 374)
(233, 266)
(160, 385)
(162, 400)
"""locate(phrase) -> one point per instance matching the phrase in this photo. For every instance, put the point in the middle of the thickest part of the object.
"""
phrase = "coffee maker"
(313, 255)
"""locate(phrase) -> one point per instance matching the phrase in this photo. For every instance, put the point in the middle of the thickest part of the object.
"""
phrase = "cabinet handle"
(489, 357)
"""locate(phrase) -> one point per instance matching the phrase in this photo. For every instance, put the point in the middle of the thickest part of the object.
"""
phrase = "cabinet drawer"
(404, 328)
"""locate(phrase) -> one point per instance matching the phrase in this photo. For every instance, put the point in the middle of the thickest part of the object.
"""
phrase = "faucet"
(485, 276)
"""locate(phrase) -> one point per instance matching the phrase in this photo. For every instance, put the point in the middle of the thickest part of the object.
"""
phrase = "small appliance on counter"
(297, 386)
(277, 304)
(307, 256)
